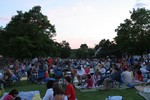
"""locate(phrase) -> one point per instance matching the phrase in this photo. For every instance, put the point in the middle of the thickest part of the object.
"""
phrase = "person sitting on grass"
(49, 92)
(126, 76)
(11, 95)
(96, 77)
(70, 92)
(80, 74)
(89, 82)
(138, 76)
(58, 92)
(9, 75)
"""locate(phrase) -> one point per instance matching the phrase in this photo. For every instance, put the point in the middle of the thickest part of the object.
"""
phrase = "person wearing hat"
(98, 66)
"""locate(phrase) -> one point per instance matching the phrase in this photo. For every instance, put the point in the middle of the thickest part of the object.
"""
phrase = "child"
(70, 92)
(89, 82)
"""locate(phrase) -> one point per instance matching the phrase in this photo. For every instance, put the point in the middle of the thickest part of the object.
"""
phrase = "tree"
(65, 49)
(84, 46)
(82, 52)
(28, 34)
(91, 52)
(106, 48)
(133, 36)
(123, 38)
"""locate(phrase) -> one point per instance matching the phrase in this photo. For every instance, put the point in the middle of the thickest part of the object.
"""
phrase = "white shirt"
(143, 70)
(92, 70)
(81, 72)
(49, 94)
(126, 77)
(103, 70)
(52, 71)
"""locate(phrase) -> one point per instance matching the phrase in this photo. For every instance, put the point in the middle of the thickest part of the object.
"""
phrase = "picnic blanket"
(29, 95)
(85, 89)
(114, 98)
(144, 91)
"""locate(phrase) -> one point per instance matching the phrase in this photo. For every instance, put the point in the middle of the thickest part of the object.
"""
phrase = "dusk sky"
(77, 21)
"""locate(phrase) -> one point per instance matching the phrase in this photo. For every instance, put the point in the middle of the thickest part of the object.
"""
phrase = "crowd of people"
(123, 71)
(90, 73)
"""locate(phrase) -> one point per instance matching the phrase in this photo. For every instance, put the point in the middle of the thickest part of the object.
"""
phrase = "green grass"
(128, 94)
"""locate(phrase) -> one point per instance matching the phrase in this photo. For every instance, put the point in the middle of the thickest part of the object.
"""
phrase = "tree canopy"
(84, 52)
(28, 34)
(65, 49)
(106, 48)
(133, 36)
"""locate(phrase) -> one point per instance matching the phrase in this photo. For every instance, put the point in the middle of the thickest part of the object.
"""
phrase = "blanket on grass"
(144, 90)
(30, 95)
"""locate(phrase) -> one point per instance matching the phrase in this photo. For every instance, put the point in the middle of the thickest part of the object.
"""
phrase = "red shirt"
(87, 70)
(90, 83)
(70, 91)
(138, 77)
(8, 97)
(50, 61)
(46, 75)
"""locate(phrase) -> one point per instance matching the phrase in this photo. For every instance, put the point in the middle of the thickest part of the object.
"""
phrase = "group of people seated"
(90, 77)
(8, 77)
(92, 72)
(54, 91)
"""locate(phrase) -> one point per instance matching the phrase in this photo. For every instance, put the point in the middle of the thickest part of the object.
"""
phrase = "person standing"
(70, 92)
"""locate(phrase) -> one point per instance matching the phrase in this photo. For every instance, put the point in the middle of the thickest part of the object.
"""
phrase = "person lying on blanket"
(12, 95)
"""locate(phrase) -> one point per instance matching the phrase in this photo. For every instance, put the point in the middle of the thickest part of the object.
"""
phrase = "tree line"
(30, 34)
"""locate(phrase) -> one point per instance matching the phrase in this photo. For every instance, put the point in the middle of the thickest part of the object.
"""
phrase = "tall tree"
(106, 48)
(134, 34)
(82, 52)
(65, 49)
(28, 34)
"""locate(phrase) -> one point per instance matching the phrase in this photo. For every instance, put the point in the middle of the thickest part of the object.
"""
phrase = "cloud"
(142, 3)
(139, 5)
(4, 19)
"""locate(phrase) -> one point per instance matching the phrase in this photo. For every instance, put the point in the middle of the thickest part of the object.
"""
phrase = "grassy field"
(128, 94)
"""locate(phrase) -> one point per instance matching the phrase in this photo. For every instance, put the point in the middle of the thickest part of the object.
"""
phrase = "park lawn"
(128, 94)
